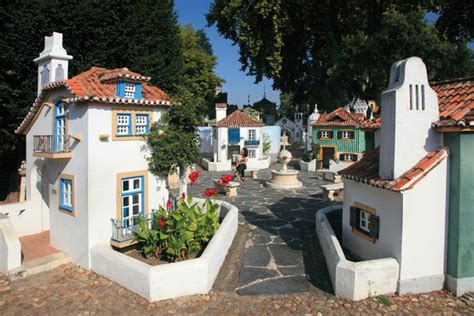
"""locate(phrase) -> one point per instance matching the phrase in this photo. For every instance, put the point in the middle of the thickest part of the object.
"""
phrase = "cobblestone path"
(278, 257)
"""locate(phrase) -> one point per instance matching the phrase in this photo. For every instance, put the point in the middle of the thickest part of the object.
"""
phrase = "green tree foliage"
(199, 63)
(174, 141)
(326, 52)
(142, 35)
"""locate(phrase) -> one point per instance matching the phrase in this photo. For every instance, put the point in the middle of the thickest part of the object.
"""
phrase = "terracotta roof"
(90, 86)
(345, 118)
(366, 171)
(371, 124)
(456, 102)
(238, 119)
(221, 105)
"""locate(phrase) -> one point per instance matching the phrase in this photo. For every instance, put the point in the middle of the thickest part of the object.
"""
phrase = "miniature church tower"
(53, 61)
(409, 106)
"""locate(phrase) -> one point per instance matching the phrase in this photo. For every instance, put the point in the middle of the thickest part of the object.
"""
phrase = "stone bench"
(231, 189)
(251, 173)
(333, 191)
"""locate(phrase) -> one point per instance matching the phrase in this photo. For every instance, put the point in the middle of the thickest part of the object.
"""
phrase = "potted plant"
(222, 183)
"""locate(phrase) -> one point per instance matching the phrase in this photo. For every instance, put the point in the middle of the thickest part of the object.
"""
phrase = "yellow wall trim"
(138, 173)
(133, 112)
(72, 178)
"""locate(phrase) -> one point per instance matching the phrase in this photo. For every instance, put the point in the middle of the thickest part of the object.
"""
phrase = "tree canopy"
(330, 51)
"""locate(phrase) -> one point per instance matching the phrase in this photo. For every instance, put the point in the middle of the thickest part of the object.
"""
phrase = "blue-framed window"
(124, 124)
(133, 200)
(66, 194)
(142, 124)
(59, 127)
(129, 90)
(234, 135)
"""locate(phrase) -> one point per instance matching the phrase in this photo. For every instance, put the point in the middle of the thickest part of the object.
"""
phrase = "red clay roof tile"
(238, 119)
(366, 171)
(339, 117)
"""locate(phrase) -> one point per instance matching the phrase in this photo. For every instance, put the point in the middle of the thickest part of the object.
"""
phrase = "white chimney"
(52, 61)
(221, 111)
(409, 106)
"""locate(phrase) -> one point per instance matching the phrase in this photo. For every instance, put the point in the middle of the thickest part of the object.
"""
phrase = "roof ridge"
(468, 78)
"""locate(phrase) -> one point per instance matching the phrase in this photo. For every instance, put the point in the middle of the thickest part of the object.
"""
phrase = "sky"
(238, 85)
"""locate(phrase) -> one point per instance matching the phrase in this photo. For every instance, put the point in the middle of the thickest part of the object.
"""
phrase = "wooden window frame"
(345, 153)
(72, 211)
(133, 114)
(359, 231)
(345, 139)
(329, 131)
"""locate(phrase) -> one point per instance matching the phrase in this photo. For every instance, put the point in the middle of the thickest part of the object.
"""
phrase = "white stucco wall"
(222, 143)
(388, 207)
(425, 210)
(106, 160)
(10, 247)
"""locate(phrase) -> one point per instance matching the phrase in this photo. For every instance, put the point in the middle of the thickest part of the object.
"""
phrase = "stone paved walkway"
(278, 256)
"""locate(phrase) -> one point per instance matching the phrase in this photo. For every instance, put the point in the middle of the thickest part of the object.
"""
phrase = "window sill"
(129, 137)
(363, 235)
(68, 211)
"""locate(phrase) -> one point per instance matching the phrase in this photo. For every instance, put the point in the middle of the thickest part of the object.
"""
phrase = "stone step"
(39, 265)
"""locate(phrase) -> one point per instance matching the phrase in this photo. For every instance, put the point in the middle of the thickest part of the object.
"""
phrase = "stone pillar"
(22, 172)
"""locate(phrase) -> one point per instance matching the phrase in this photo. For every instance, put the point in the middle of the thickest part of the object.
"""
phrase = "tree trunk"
(183, 181)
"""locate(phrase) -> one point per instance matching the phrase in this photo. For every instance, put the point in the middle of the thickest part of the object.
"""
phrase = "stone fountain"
(284, 178)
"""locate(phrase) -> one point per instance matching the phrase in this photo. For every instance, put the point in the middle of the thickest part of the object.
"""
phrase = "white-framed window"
(252, 134)
(66, 197)
(141, 124)
(129, 91)
(364, 221)
(346, 134)
(132, 200)
(324, 134)
(347, 157)
(124, 126)
(252, 153)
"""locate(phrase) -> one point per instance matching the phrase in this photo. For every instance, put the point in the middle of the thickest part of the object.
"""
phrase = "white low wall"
(354, 280)
(195, 276)
(10, 247)
(308, 166)
(216, 166)
(26, 220)
(258, 163)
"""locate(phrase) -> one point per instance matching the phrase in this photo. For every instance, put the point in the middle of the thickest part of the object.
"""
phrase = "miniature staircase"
(39, 265)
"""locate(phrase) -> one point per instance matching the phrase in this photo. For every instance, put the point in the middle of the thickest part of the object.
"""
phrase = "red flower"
(168, 204)
(162, 222)
(225, 179)
(193, 176)
(210, 192)
(183, 196)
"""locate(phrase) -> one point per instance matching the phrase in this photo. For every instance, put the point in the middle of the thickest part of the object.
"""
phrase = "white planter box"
(308, 166)
(194, 276)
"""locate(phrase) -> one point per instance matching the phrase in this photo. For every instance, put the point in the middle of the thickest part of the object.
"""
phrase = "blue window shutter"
(138, 91)
(120, 88)
(234, 135)
(61, 192)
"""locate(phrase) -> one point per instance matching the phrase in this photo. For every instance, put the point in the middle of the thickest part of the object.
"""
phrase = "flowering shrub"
(176, 233)
(225, 179)
(210, 192)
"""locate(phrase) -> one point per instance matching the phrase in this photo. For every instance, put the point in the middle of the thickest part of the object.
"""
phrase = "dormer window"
(129, 90)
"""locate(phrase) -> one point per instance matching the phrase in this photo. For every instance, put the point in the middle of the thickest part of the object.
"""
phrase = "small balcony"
(50, 146)
(122, 229)
(252, 142)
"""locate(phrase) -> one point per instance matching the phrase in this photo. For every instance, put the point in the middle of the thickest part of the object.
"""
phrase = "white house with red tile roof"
(232, 133)
(87, 176)
(396, 197)
(411, 197)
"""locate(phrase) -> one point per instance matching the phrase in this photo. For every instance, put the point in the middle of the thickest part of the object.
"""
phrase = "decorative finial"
(264, 91)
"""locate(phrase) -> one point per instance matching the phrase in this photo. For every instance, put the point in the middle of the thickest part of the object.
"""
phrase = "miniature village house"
(410, 198)
(87, 176)
(232, 133)
(293, 129)
(338, 136)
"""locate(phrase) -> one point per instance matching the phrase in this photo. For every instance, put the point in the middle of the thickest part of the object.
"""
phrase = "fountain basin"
(284, 180)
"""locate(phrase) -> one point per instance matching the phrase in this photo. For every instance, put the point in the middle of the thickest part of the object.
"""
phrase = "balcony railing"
(51, 144)
(122, 229)
(252, 142)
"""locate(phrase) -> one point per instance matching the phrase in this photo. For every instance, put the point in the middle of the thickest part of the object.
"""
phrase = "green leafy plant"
(384, 300)
(267, 144)
(180, 231)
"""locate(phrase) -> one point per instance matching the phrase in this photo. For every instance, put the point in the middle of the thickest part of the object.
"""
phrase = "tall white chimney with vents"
(409, 106)
(53, 61)
(221, 111)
